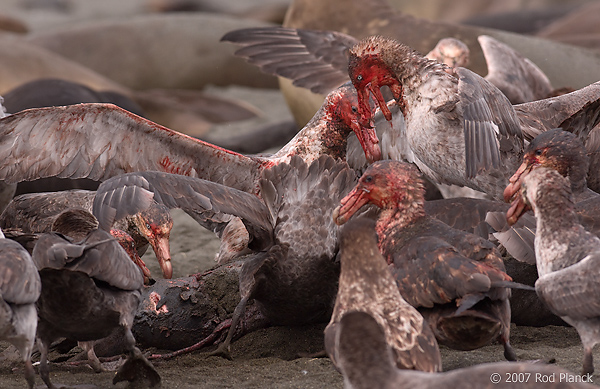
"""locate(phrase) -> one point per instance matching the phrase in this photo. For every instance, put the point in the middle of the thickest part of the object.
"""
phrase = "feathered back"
(301, 198)
(99, 256)
(19, 280)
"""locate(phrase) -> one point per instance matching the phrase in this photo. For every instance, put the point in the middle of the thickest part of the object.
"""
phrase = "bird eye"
(538, 152)
(148, 226)
(359, 77)
(354, 109)
(368, 178)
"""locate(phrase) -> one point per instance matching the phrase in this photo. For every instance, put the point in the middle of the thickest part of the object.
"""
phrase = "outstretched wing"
(516, 76)
(316, 60)
(99, 141)
(490, 123)
(541, 115)
(195, 196)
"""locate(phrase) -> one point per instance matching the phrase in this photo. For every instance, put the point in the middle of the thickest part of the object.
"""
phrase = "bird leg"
(44, 369)
(136, 368)
(93, 360)
(29, 373)
(224, 349)
(509, 352)
(588, 361)
(248, 283)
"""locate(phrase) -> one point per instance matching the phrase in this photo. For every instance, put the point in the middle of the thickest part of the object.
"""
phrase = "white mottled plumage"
(567, 256)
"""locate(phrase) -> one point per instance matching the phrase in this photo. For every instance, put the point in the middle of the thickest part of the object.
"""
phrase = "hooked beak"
(160, 245)
(142, 265)
(517, 209)
(367, 137)
(515, 181)
(350, 204)
(364, 108)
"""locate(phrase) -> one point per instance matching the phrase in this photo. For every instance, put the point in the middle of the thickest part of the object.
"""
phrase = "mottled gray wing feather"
(519, 239)
(305, 197)
(573, 291)
(316, 60)
(541, 115)
(114, 203)
(582, 122)
(490, 123)
(102, 258)
(194, 195)
(19, 279)
(516, 76)
(99, 141)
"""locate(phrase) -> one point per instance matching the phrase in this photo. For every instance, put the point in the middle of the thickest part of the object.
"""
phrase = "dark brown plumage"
(366, 285)
(292, 271)
(89, 289)
(456, 279)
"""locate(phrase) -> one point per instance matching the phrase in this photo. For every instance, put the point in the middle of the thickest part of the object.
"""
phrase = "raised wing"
(301, 198)
(100, 141)
(542, 115)
(516, 76)
(490, 123)
(114, 203)
(316, 60)
(519, 239)
(196, 196)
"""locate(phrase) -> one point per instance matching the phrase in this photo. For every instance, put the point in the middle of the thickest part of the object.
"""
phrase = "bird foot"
(509, 353)
(318, 354)
(106, 363)
(138, 371)
(222, 351)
